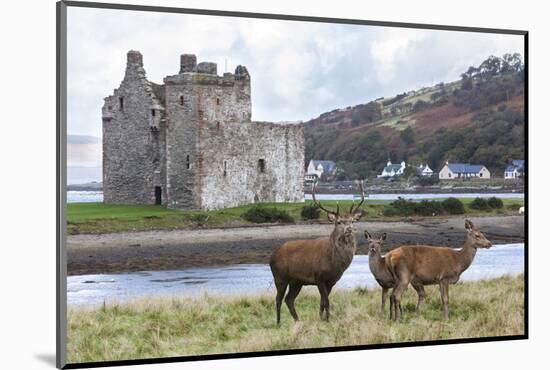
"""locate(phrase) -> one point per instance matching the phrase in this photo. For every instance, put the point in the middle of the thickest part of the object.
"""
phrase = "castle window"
(201, 114)
(187, 162)
(110, 107)
(152, 112)
(217, 101)
(218, 125)
(181, 100)
(121, 103)
(224, 168)
(261, 165)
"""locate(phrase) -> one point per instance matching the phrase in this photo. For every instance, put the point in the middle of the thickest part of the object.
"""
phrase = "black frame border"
(61, 127)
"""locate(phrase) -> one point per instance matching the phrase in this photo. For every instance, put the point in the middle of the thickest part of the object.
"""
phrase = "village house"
(463, 171)
(514, 170)
(392, 170)
(425, 170)
(320, 170)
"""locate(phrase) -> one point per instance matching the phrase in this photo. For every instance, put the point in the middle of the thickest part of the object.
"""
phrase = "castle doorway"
(158, 195)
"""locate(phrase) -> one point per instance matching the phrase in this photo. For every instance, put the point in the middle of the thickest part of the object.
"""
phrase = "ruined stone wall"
(193, 138)
(196, 99)
(133, 139)
(181, 153)
(252, 162)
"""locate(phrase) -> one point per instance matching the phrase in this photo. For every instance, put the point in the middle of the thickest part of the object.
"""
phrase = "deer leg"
(392, 305)
(421, 293)
(281, 290)
(396, 295)
(323, 291)
(384, 297)
(444, 289)
(400, 308)
(291, 296)
(327, 305)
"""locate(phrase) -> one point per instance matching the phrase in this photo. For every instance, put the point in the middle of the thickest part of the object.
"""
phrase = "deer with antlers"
(319, 262)
(428, 265)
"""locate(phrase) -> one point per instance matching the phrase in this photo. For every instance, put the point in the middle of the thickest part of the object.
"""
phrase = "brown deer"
(381, 273)
(319, 262)
(428, 265)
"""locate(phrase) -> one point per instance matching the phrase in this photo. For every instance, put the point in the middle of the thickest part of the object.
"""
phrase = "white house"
(392, 170)
(463, 171)
(425, 170)
(318, 169)
(514, 170)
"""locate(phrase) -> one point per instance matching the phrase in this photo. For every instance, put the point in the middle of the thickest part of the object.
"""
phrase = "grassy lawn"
(159, 327)
(103, 218)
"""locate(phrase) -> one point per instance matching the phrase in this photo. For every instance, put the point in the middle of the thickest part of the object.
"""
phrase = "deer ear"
(331, 217)
(357, 216)
(367, 235)
(469, 225)
(383, 237)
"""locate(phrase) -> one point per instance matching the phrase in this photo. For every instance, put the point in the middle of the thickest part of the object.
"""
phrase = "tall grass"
(159, 327)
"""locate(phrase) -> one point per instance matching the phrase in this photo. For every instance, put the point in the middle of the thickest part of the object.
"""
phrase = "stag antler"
(354, 208)
(313, 186)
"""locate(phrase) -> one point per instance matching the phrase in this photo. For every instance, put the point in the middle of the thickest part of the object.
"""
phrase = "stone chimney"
(134, 57)
(241, 73)
(188, 62)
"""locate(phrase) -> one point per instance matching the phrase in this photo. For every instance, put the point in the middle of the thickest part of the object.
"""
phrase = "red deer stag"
(381, 273)
(319, 262)
(427, 265)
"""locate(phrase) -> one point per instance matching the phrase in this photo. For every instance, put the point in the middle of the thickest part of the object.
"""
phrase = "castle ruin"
(190, 143)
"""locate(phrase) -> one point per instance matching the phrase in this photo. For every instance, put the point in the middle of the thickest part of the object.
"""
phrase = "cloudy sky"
(299, 69)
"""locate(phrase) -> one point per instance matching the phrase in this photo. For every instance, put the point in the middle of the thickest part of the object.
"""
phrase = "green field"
(159, 327)
(103, 218)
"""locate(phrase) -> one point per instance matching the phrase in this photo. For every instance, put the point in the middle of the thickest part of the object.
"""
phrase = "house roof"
(422, 168)
(328, 166)
(518, 163)
(465, 167)
(394, 167)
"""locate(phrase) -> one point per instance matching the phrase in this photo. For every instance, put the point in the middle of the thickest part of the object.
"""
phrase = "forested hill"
(478, 118)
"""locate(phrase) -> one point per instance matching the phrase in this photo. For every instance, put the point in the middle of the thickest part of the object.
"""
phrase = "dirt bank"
(160, 250)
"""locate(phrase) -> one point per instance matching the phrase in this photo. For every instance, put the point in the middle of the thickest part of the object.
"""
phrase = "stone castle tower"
(191, 144)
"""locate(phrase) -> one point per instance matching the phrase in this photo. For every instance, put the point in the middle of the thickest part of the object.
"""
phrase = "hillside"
(478, 119)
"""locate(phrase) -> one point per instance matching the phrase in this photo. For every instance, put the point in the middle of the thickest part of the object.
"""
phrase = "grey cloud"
(299, 70)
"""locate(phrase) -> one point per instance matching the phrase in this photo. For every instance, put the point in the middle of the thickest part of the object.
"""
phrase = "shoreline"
(380, 187)
(185, 248)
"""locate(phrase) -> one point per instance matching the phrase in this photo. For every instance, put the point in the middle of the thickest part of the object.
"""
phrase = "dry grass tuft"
(159, 327)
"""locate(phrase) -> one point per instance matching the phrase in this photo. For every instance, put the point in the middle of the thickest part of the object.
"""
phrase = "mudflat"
(176, 249)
